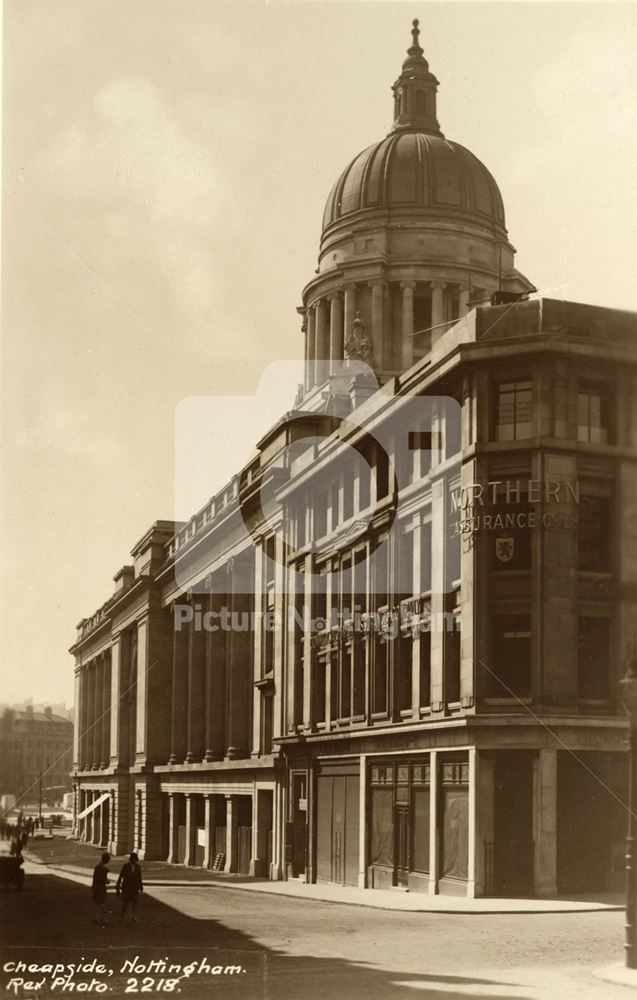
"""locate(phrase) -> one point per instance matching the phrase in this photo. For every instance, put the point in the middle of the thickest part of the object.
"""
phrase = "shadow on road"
(50, 923)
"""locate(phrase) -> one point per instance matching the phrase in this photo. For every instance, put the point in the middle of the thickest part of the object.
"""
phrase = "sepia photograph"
(319, 499)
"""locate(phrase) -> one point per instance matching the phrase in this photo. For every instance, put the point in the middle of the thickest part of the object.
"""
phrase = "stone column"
(484, 824)
(106, 711)
(179, 694)
(240, 662)
(308, 657)
(77, 724)
(99, 721)
(362, 829)
(217, 646)
(433, 822)
(350, 308)
(209, 830)
(472, 821)
(378, 301)
(232, 825)
(407, 353)
(322, 341)
(83, 736)
(173, 829)
(94, 715)
(190, 830)
(438, 590)
(545, 823)
(463, 300)
(196, 694)
(437, 310)
(336, 327)
(310, 371)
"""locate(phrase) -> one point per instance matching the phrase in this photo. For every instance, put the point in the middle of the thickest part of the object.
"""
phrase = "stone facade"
(439, 595)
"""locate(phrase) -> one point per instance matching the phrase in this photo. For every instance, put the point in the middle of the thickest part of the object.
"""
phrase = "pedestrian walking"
(129, 885)
(99, 887)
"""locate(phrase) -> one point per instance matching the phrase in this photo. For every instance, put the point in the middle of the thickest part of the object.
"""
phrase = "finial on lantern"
(415, 49)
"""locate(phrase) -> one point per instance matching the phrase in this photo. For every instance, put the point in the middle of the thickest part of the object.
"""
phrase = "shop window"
(420, 819)
(454, 813)
(593, 534)
(510, 656)
(381, 843)
(513, 411)
(592, 414)
(593, 658)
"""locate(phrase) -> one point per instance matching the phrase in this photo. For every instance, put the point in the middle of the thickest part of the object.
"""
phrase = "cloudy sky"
(166, 163)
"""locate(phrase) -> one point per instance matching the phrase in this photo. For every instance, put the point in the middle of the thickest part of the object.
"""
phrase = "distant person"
(100, 883)
(129, 885)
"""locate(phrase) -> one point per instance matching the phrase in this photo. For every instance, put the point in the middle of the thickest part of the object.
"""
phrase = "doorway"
(513, 825)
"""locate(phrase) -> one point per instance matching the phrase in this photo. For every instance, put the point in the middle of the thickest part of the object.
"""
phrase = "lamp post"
(628, 691)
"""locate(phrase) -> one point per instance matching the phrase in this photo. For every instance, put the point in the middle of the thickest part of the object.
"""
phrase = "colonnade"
(213, 672)
(329, 321)
(93, 698)
(218, 827)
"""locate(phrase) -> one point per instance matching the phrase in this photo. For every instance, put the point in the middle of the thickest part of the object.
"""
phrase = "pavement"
(76, 860)
(225, 943)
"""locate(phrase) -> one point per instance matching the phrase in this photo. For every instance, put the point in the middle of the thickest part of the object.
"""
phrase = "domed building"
(439, 595)
(414, 234)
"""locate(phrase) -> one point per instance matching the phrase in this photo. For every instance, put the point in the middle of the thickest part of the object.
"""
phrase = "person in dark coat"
(129, 886)
(100, 883)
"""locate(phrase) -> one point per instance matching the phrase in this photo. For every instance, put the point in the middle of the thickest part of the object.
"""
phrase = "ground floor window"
(454, 820)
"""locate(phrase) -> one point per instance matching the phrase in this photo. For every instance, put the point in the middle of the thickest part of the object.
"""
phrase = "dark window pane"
(593, 534)
(420, 829)
(381, 846)
(510, 656)
(593, 659)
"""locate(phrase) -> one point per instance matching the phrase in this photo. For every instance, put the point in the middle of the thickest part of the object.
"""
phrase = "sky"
(165, 166)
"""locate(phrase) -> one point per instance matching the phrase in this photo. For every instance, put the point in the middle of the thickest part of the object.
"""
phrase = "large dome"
(420, 172)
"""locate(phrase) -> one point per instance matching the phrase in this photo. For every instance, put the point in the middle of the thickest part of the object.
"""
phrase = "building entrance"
(337, 826)
(513, 825)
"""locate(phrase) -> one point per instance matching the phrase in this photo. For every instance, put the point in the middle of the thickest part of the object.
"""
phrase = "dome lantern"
(415, 91)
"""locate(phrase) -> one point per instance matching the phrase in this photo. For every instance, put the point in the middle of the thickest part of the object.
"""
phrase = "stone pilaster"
(407, 353)
(179, 727)
(336, 327)
(545, 823)
(232, 826)
(378, 302)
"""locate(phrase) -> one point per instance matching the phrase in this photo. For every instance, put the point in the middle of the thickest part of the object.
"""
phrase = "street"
(226, 942)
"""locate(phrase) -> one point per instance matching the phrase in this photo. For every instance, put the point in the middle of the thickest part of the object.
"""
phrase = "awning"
(94, 805)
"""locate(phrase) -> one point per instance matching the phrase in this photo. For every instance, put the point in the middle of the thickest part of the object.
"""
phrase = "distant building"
(454, 725)
(33, 744)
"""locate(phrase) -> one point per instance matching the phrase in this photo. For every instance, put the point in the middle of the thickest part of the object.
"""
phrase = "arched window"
(401, 102)
(421, 102)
